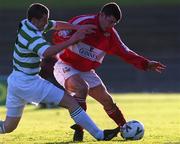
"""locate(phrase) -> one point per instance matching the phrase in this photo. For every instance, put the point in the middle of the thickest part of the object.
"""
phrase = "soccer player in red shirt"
(74, 69)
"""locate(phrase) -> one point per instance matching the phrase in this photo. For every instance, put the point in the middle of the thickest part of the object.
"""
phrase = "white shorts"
(24, 89)
(63, 71)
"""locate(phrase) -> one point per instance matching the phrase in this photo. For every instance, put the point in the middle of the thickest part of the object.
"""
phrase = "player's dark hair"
(37, 10)
(112, 9)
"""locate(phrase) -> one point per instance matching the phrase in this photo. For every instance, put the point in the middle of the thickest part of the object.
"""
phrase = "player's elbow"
(48, 53)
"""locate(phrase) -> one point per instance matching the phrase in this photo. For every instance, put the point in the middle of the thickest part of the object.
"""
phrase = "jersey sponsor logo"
(64, 33)
(88, 53)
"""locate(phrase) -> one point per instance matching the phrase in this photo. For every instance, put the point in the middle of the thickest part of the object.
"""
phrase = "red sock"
(116, 115)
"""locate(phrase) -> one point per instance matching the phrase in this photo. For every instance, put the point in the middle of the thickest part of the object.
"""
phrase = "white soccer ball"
(132, 130)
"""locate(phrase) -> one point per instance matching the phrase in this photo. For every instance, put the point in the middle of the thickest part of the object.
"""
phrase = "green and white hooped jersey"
(29, 47)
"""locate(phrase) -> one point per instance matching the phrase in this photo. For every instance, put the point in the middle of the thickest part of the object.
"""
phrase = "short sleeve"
(38, 46)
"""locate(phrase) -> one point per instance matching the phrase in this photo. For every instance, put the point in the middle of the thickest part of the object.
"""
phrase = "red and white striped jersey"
(89, 53)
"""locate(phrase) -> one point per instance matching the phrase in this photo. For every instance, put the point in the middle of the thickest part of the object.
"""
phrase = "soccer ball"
(132, 130)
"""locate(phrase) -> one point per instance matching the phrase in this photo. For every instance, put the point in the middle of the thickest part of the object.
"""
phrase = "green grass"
(3, 91)
(160, 113)
(81, 3)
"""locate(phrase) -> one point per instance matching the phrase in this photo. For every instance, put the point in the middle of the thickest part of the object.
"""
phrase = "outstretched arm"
(54, 49)
(140, 62)
(155, 66)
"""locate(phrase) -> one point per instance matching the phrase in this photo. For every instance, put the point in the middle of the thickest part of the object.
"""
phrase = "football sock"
(2, 129)
(81, 118)
(116, 115)
(82, 103)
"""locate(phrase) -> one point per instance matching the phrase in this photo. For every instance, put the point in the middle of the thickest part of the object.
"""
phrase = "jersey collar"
(31, 26)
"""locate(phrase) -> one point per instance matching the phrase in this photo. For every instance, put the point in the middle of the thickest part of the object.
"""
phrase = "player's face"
(40, 23)
(107, 22)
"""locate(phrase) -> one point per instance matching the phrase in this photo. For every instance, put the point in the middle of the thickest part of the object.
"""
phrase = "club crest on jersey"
(66, 69)
(64, 33)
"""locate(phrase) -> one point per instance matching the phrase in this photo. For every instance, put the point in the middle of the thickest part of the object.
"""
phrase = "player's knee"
(10, 128)
(10, 124)
(83, 89)
(68, 102)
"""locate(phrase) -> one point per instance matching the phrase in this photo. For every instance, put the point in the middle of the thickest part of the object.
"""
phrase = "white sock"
(81, 118)
(2, 129)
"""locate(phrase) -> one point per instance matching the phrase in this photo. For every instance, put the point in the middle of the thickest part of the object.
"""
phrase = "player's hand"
(77, 36)
(88, 28)
(156, 66)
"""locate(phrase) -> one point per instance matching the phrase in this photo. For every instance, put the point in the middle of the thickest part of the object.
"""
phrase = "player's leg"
(15, 106)
(78, 86)
(9, 124)
(81, 118)
(73, 83)
(12, 119)
(78, 114)
(101, 94)
(70, 79)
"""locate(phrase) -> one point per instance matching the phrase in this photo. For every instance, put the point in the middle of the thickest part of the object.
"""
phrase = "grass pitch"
(160, 114)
